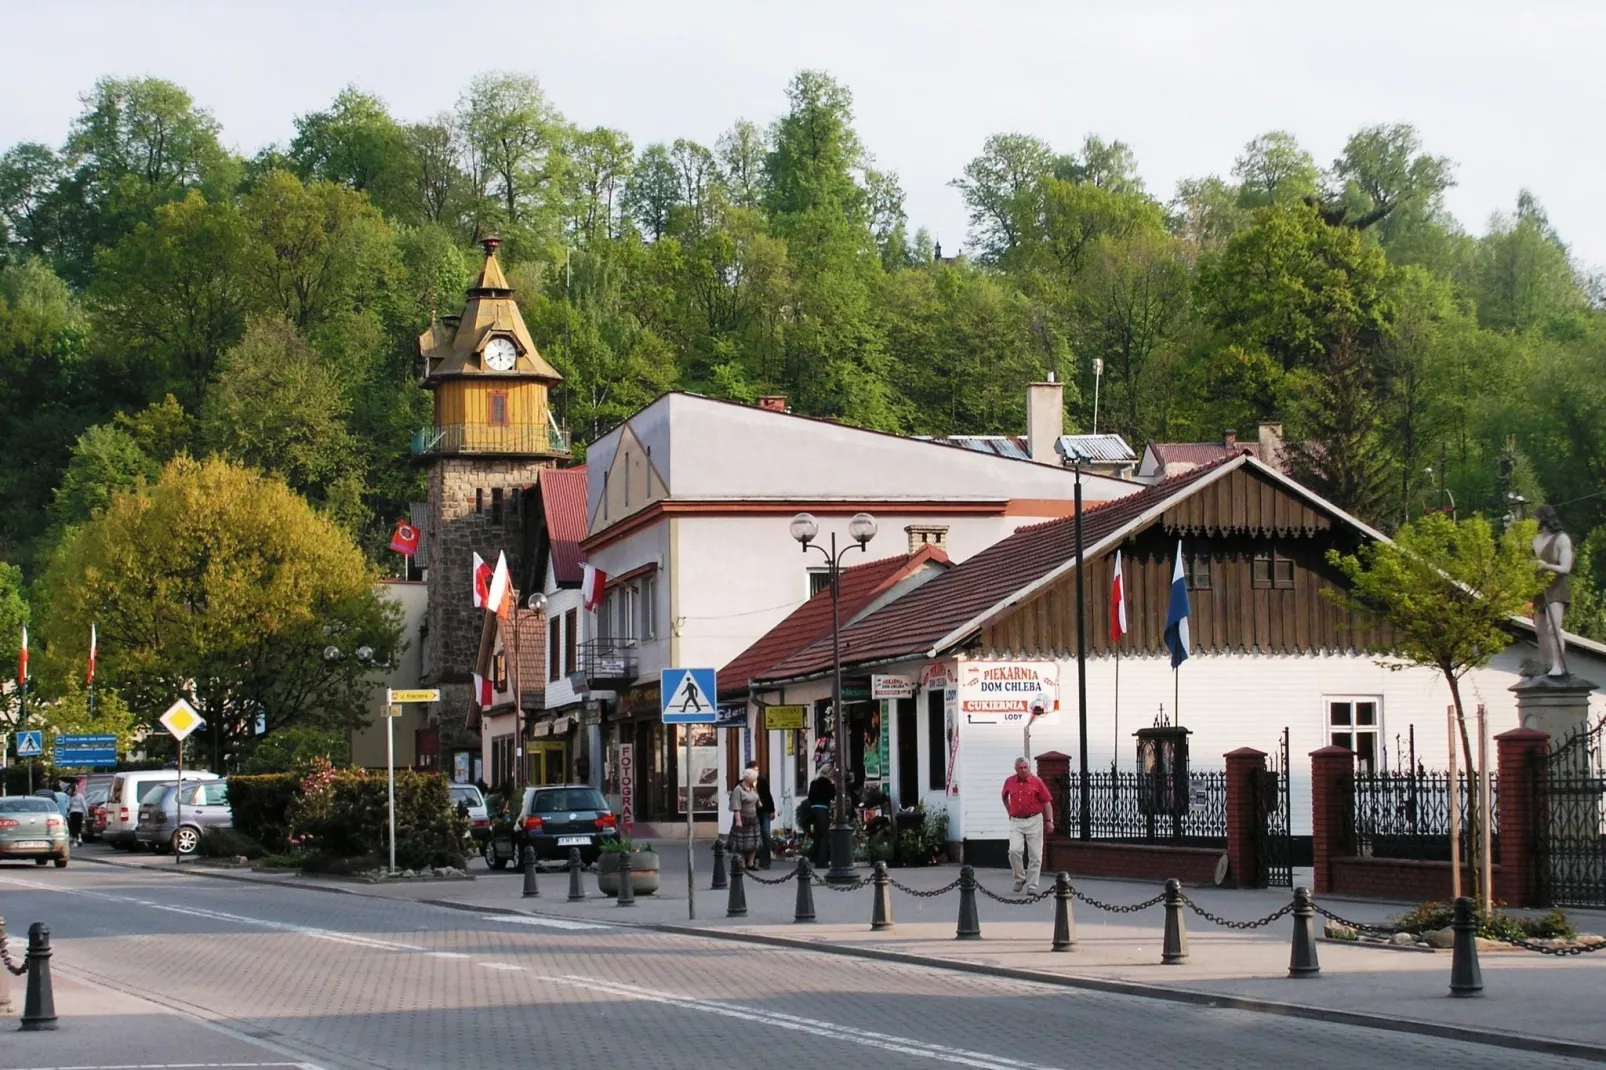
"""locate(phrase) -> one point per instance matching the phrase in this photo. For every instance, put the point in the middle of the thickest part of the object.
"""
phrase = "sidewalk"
(1530, 1000)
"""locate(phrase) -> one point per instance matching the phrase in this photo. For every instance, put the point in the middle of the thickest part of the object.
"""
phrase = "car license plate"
(574, 841)
(35, 845)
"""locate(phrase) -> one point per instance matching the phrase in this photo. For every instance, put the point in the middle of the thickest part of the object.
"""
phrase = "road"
(161, 969)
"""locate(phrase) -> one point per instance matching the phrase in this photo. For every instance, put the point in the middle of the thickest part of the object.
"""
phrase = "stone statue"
(1554, 550)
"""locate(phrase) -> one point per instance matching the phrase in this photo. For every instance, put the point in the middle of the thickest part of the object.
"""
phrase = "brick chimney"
(1229, 440)
(1272, 452)
(777, 403)
(1045, 420)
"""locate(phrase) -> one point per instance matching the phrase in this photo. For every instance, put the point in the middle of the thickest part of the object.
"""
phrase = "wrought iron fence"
(1570, 819)
(1407, 815)
(491, 439)
(1148, 807)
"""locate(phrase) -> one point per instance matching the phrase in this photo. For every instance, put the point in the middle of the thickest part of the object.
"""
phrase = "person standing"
(822, 793)
(744, 818)
(1031, 813)
(766, 815)
(77, 810)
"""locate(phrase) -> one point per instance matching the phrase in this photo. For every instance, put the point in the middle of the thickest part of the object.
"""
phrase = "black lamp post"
(1073, 454)
(861, 528)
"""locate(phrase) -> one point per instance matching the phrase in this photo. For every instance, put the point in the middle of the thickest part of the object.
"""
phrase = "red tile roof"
(1201, 452)
(910, 626)
(563, 501)
(860, 586)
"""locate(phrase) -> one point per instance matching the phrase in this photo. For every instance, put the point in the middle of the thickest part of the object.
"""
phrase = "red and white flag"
(22, 659)
(1117, 603)
(499, 599)
(482, 691)
(482, 582)
(404, 540)
(89, 674)
(591, 585)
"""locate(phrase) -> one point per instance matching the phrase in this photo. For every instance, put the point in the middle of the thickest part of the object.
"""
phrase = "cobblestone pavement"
(349, 981)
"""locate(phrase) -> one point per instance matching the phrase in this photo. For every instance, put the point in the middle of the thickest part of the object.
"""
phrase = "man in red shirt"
(1031, 813)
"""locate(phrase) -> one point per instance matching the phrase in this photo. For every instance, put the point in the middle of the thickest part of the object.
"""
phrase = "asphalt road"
(167, 970)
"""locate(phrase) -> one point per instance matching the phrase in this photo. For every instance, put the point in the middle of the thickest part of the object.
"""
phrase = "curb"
(1464, 1034)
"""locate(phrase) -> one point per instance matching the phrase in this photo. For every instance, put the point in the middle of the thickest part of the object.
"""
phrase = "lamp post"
(1085, 802)
(861, 529)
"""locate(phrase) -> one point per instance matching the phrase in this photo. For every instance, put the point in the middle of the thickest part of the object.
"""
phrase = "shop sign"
(785, 718)
(855, 690)
(890, 687)
(732, 716)
(627, 787)
(1007, 694)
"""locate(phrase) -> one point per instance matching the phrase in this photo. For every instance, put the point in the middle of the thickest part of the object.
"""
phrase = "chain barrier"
(918, 894)
(1230, 924)
(748, 874)
(1526, 945)
(5, 954)
(1358, 926)
(852, 886)
(1023, 901)
(1113, 909)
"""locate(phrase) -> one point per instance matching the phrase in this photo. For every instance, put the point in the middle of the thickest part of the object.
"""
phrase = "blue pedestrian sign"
(96, 751)
(30, 744)
(686, 696)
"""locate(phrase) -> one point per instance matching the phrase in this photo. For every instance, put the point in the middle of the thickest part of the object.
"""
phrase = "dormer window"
(500, 354)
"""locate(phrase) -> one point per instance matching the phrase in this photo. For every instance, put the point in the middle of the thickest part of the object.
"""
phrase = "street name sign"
(181, 719)
(97, 751)
(394, 697)
(686, 696)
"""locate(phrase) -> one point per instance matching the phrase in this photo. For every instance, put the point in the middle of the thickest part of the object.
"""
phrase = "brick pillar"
(1245, 817)
(1055, 770)
(1330, 767)
(1516, 881)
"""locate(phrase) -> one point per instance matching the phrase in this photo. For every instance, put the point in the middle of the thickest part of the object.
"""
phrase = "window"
(647, 607)
(926, 534)
(479, 500)
(497, 403)
(627, 481)
(936, 742)
(499, 672)
(1272, 570)
(554, 648)
(1354, 723)
(571, 623)
(217, 793)
(605, 495)
(1197, 568)
(496, 505)
(627, 610)
(819, 580)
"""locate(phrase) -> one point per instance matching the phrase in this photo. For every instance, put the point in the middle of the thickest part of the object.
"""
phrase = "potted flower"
(643, 866)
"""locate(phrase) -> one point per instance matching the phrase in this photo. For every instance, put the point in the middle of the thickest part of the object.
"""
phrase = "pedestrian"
(766, 815)
(822, 793)
(1031, 813)
(744, 818)
(77, 810)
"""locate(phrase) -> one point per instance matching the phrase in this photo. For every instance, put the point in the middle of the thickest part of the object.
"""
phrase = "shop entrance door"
(549, 763)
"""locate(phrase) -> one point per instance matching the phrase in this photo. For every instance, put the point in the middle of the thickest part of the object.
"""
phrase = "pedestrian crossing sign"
(30, 744)
(686, 696)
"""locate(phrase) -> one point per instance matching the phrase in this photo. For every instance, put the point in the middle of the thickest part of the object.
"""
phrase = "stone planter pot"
(643, 872)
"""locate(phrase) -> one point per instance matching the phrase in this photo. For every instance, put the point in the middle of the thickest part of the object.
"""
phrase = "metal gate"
(1274, 856)
(1570, 820)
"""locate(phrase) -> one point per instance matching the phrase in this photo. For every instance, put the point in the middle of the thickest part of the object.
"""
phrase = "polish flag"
(482, 691)
(591, 585)
(482, 582)
(1117, 603)
(22, 659)
(89, 676)
(499, 599)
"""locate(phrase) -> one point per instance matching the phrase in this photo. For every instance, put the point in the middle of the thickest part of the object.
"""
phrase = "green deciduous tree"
(357, 144)
(1000, 190)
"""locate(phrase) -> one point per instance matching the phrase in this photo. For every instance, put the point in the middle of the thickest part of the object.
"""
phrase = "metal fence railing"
(1147, 807)
(1407, 815)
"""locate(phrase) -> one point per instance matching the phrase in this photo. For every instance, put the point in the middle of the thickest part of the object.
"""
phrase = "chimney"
(1229, 440)
(1271, 444)
(1045, 420)
(776, 403)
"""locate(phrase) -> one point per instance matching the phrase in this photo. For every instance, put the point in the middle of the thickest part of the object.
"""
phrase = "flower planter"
(643, 872)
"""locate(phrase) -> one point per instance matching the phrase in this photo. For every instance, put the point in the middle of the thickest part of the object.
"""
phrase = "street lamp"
(861, 529)
(1073, 454)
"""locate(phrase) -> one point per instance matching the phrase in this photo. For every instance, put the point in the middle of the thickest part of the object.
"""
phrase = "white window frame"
(647, 609)
(1353, 731)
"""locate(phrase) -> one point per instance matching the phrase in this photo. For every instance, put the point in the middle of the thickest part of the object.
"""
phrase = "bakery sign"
(889, 687)
(1007, 693)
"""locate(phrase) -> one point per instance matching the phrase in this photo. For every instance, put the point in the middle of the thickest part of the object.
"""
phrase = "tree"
(1000, 188)
(512, 137)
(223, 586)
(1448, 591)
(438, 183)
(13, 612)
(1389, 181)
(357, 144)
(1275, 170)
(600, 164)
(653, 191)
(1109, 165)
(29, 172)
(741, 151)
(1524, 275)
(105, 461)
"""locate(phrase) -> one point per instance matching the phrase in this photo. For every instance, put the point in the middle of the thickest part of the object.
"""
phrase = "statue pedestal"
(1555, 705)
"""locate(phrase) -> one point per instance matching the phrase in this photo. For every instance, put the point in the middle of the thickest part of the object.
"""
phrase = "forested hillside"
(161, 294)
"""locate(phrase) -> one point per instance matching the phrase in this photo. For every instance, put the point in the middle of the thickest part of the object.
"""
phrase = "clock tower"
(492, 434)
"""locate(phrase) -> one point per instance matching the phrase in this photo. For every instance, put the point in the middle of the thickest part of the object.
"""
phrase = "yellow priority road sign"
(393, 697)
(181, 719)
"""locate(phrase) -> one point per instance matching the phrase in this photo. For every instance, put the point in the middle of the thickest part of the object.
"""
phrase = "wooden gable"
(1229, 523)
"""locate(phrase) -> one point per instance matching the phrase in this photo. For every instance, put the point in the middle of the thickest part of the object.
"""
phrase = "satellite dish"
(1221, 870)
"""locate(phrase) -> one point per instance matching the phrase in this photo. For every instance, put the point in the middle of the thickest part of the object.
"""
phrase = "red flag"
(499, 599)
(22, 659)
(89, 677)
(591, 586)
(482, 582)
(482, 691)
(404, 540)
(1117, 603)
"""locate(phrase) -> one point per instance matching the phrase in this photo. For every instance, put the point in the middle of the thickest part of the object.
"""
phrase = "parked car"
(174, 818)
(32, 827)
(95, 826)
(127, 792)
(479, 817)
(553, 819)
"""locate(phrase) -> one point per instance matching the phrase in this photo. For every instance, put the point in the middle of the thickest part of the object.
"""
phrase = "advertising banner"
(1005, 694)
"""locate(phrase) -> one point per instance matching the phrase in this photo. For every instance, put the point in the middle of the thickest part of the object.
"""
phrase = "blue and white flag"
(1176, 617)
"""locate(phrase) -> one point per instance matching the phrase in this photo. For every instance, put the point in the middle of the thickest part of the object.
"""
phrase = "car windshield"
(26, 805)
(552, 800)
(466, 793)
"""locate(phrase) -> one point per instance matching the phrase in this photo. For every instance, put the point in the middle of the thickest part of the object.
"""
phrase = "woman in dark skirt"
(744, 837)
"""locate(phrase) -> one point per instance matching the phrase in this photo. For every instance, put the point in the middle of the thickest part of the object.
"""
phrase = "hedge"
(261, 806)
(345, 815)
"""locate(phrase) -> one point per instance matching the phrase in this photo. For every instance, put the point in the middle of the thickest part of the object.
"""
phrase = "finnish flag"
(1176, 618)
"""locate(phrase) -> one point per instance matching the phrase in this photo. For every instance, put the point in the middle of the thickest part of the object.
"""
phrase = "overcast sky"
(1510, 92)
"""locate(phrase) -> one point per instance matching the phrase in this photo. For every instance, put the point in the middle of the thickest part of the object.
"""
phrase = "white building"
(417, 738)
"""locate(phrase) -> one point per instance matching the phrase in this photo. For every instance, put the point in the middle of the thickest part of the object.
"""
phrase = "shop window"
(1355, 723)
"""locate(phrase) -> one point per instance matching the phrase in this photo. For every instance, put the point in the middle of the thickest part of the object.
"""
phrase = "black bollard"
(576, 889)
(39, 1006)
(530, 889)
(805, 891)
(881, 912)
(627, 883)
(736, 906)
(969, 923)
(1466, 978)
(1175, 950)
(719, 865)
(1302, 961)
(1064, 919)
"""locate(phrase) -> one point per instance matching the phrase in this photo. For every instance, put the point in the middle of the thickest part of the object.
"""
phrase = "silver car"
(175, 818)
(31, 827)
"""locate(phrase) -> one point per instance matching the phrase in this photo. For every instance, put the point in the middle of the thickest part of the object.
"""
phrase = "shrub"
(344, 815)
(228, 843)
(1493, 924)
(261, 806)
(294, 750)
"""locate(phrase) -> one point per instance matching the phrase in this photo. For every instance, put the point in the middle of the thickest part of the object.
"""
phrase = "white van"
(128, 790)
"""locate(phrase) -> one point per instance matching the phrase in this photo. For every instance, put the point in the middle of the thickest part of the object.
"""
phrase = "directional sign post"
(393, 700)
(99, 752)
(180, 720)
(688, 697)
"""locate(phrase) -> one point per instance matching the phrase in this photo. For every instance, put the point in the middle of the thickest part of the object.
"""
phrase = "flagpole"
(1115, 743)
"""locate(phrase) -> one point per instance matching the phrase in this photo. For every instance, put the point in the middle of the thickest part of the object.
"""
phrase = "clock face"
(500, 353)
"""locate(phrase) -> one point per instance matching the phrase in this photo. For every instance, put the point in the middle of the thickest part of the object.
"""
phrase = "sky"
(1507, 91)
